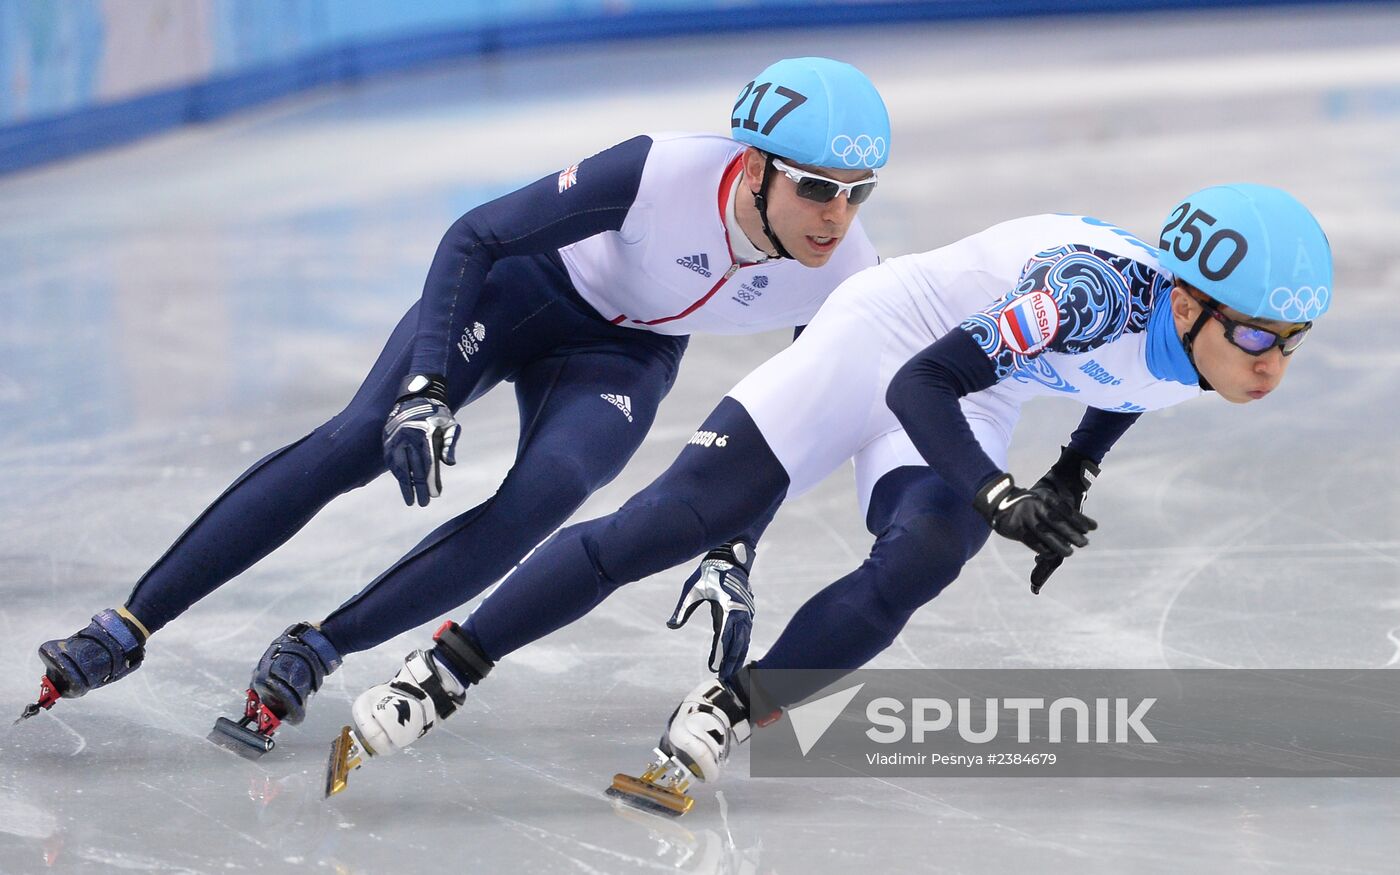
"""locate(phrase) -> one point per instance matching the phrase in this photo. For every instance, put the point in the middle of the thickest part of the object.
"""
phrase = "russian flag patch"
(1029, 323)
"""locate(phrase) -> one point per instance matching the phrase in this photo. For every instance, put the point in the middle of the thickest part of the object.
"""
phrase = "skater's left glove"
(722, 580)
(1069, 478)
(420, 437)
(1042, 521)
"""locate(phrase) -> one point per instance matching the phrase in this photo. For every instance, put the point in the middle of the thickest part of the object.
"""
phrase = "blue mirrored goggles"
(814, 187)
(1251, 338)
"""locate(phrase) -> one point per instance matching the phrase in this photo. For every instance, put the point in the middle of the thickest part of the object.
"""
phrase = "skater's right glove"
(1042, 521)
(722, 580)
(1069, 479)
(420, 437)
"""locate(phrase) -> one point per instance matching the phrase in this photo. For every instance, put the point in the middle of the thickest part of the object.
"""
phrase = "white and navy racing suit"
(917, 369)
(581, 289)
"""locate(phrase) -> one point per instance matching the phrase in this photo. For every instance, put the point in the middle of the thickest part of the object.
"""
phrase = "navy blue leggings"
(726, 482)
(529, 328)
(924, 532)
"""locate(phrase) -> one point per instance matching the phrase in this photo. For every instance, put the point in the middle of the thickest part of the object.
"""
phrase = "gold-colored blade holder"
(347, 753)
(660, 789)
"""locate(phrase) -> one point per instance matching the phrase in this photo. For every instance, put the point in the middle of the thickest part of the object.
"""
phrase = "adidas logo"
(698, 263)
(621, 402)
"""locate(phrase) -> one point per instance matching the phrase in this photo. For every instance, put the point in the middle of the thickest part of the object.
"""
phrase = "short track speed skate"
(251, 736)
(703, 731)
(290, 672)
(48, 695)
(660, 789)
(348, 752)
(430, 687)
(109, 648)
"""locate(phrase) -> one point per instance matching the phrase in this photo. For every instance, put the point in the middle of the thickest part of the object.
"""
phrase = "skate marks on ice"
(1292, 567)
(148, 802)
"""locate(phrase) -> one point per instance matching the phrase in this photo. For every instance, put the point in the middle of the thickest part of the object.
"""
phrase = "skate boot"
(701, 734)
(290, 671)
(109, 648)
(389, 717)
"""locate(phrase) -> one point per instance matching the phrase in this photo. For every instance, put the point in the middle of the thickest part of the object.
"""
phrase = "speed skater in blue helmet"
(818, 131)
(1252, 270)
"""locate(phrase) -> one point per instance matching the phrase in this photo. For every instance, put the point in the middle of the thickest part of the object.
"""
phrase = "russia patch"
(1029, 323)
(568, 177)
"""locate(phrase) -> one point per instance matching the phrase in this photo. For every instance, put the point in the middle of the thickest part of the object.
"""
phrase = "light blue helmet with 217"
(814, 111)
(1253, 248)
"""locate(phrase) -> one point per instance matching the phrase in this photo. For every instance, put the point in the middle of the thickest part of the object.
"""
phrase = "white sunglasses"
(814, 187)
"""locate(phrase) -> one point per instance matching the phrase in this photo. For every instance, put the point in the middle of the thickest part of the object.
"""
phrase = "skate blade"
(243, 741)
(347, 753)
(643, 794)
(48, 695)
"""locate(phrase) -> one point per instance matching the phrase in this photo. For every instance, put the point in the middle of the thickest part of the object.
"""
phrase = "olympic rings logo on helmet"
(860, 151)
(1301, 304)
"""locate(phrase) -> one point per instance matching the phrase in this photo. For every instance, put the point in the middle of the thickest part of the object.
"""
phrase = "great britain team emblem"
(568, 177)
(1029, 322)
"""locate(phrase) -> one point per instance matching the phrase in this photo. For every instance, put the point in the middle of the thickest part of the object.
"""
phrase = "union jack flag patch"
(567, 177)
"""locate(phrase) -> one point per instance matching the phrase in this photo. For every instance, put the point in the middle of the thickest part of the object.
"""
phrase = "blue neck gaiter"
(1166, 357)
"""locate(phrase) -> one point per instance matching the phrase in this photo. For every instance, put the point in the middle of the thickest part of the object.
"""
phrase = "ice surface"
(172, 310)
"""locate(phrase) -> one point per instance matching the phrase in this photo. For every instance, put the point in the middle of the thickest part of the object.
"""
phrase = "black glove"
(1042, 521)
(1069, 479)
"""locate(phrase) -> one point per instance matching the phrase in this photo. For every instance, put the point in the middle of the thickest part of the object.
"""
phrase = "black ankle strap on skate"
(735, 708)
(719, 697)
(461, 655)
(444, 703)
(761, 711)
(740, 683)
(422, 670)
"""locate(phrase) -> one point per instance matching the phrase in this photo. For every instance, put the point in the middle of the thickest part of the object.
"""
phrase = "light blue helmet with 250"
(814, 111)
(1253, 248)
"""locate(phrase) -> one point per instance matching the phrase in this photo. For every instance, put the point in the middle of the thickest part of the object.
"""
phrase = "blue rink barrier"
(56, 136)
